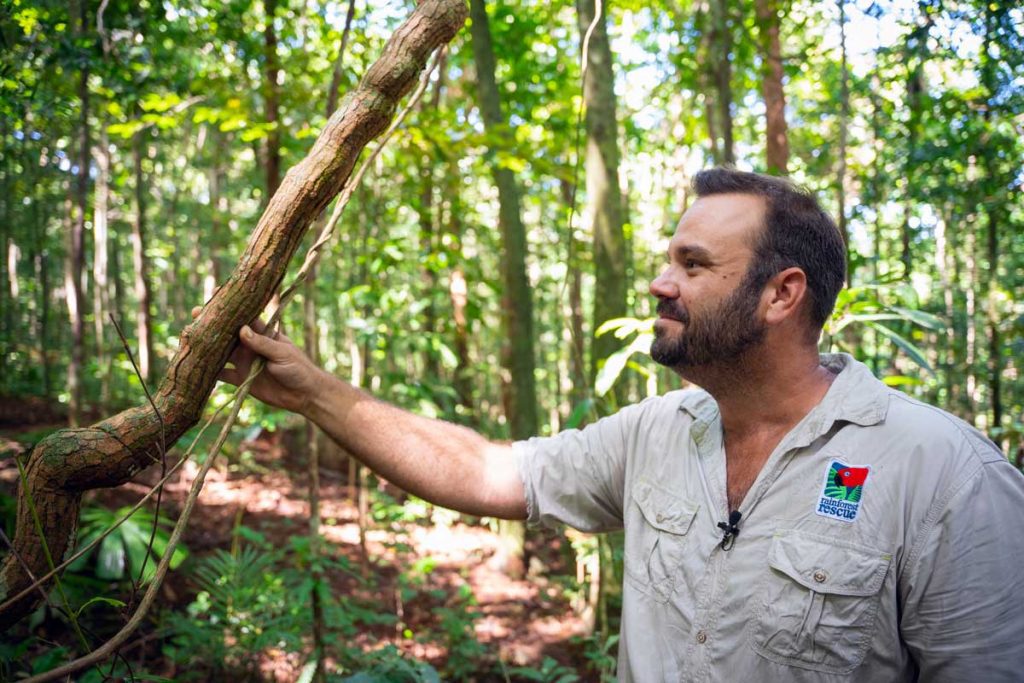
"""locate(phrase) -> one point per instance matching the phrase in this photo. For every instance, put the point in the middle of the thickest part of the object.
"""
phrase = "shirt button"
(660, 517)
(702, 637)
(820, 576)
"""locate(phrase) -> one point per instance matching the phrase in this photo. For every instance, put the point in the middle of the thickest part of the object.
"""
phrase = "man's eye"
(690, 264)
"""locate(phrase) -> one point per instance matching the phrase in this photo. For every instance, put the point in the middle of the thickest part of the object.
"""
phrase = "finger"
(264, 346)
(258, 326)
(231, 376)
(196, 310)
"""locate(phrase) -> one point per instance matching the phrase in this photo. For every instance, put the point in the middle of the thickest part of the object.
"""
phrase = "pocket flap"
(663, 509)
(828, 565)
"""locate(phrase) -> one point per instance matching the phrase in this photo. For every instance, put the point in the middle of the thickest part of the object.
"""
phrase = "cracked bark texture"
(69, 462)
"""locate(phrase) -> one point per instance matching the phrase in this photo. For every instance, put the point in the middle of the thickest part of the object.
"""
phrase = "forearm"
(442, 463)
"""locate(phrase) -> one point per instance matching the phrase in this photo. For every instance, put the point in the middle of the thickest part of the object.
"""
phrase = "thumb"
(263, 345)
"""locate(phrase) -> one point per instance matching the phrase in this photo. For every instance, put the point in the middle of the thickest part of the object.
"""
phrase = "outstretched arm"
(443, 463)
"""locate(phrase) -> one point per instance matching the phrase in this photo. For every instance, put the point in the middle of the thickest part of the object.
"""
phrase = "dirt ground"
(519, 622)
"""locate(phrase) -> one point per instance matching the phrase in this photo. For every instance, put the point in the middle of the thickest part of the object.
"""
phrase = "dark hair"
(797, 232)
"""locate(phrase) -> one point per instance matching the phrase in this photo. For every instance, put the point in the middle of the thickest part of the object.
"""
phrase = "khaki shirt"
(882, 541)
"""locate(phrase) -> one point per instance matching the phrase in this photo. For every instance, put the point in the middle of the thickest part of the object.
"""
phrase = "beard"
(716, 336)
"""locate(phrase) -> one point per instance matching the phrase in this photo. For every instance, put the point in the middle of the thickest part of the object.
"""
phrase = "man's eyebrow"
(693, 251)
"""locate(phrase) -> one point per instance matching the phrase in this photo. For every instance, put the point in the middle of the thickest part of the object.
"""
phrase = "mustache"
(670, 309)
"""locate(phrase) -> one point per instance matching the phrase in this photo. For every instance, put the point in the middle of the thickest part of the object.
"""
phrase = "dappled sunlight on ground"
(444, 558)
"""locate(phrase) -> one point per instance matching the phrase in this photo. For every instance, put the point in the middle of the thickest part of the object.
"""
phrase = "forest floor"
(516, 622)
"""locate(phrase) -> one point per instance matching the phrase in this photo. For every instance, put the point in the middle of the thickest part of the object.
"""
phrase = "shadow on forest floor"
(520, 622)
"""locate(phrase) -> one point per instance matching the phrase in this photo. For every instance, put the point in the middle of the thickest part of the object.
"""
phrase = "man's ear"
(786, 293)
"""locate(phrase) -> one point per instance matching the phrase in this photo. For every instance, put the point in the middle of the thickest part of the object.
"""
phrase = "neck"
(765, 390)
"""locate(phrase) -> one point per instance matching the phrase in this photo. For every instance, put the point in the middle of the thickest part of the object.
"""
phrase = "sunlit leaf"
(99, 599)
(932, 322)
(110, 561)
(915, 354)
(901, 381)
(579, 413)
(615, 363)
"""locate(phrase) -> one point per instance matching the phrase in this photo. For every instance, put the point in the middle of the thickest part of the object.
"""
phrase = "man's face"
(707, 307)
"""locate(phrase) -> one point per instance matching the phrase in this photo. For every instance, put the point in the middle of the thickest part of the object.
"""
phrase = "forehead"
(722, 223)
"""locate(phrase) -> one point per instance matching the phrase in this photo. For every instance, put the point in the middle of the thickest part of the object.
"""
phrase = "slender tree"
(844, 122)
(517, 298)
(143, 290)
(719, 75)
(272, 100)
(76, 237)
(604, 197)
(769, 19)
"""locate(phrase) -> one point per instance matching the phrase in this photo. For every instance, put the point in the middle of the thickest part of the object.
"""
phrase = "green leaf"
(908, 348)
(625, 326)
(851, 318)
(136, 542)
(615, 363)
(448, 358)
(578, 413)
(901, 381)
(99, 599)
(110, 561)
(125, 130)
(932, 322)
(157, 102)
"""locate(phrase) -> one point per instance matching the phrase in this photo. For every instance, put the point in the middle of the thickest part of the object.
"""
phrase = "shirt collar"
(855, 396)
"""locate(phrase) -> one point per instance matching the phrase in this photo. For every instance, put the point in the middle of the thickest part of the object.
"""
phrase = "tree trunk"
(313, 447)
(100, 265)
(310, 334)
(970, 309)
(994, 216)
(76, 240)
(272, 100)
(428, 230)
(517, 299)
(69, 462)
(42, 274)
(844, 121)
(777, 142)
(915, 89)
(143, 317)
(6, 306)
(719, 43)
(458, 292)
(604, 197)
(577, 351)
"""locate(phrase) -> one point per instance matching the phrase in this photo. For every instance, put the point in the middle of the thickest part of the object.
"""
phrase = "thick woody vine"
(66, 464)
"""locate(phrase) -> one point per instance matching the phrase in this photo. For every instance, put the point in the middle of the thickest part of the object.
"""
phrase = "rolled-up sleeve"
(578, 476)
(962, 618)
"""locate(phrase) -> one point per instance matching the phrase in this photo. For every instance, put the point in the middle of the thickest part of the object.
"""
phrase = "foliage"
(169, 102)
(600, 653)
(255, 599)
(126, 552)
(455, 622)
(883, 308)
(618, 361)
(387, 664)
(243, 608)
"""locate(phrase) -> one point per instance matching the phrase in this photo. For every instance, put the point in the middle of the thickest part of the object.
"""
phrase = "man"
(794, 520)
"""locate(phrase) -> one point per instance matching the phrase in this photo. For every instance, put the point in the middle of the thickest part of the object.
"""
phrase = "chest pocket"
(655, 539)
(819, 601)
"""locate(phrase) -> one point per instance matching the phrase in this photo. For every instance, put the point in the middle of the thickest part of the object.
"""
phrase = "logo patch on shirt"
(842, 491)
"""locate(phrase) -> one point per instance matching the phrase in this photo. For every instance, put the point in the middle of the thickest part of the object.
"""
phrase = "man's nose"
(662, 287)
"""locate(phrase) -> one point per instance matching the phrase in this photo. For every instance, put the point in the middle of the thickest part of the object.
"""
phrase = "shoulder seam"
(939, 507)
(964, 433)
